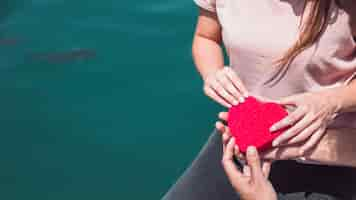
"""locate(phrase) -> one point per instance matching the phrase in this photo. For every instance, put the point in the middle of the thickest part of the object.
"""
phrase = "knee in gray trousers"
(205, 178)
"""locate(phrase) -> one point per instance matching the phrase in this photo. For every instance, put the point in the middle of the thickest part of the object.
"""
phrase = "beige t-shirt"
(257, 32)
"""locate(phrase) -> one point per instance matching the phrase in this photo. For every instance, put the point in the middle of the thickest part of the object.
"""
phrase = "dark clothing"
(205, 179)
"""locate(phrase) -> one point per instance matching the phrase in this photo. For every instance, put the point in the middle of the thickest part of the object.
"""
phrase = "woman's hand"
(313, 113)
(225, 87)
(252, 183)
(336, 147)
(278, 153)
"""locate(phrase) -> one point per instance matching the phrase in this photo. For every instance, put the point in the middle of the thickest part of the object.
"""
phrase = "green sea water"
(99, 99)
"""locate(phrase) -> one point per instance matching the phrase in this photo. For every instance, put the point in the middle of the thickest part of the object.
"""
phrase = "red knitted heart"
(249, 123)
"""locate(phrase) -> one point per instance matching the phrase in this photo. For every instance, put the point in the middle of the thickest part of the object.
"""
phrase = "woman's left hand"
(314, 111)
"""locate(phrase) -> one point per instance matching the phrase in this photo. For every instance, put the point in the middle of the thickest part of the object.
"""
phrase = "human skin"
(314, 112)
(208, 58)
(336, 147)
(252, 182)
(220, 83)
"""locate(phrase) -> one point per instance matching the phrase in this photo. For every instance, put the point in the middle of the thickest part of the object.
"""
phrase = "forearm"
(207, 55)
(337, 147)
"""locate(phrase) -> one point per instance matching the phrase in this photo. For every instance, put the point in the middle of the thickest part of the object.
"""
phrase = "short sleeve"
(206, 4)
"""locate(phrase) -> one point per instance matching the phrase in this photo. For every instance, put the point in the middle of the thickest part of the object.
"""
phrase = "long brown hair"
(311, 28)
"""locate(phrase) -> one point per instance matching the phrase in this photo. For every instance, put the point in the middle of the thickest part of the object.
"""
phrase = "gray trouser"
(205, 179)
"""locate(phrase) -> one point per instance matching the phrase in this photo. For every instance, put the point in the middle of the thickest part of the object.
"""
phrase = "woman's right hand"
(225, 87)
(278, 153)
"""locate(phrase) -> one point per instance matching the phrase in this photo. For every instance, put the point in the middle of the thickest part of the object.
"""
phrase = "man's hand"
(252, 183)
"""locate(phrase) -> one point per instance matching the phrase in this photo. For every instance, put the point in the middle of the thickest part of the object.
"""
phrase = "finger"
(241, 156)
(223, 116)
(246, 170)
(236, 150)
(228, 163)
(224, 147)
(212, 94)
(220, 90)
(229, 87)
(220, 127)
(281, 153)
(238, 154)
(312, 142)
(289, 100)
(236, 81)
(225, 141)
(266, 168)
(294, 130)
(289, 119)
(253, 161)
(306, 133)
(226, 138)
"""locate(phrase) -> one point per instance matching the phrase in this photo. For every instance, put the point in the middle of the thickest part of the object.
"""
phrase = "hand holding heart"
(250, 121)
(252, 181)
(278, 153)
(314, 111)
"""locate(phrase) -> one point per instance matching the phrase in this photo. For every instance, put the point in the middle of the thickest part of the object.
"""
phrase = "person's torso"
(257, 33)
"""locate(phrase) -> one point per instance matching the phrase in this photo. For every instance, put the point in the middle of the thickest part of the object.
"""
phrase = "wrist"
(335, 148)
(335, 97)
(210, 71)
(342, 99)
(324, 152)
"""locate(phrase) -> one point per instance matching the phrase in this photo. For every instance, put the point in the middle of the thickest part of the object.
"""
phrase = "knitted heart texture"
(249, 123)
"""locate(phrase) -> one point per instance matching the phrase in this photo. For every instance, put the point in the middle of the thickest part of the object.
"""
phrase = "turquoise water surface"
(100, 99)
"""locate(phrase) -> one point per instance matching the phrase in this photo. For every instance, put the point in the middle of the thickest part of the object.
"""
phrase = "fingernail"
(235, 103)
(275, 143)
(273, 128)
(242, 99)
(232, 140)
(251, 150)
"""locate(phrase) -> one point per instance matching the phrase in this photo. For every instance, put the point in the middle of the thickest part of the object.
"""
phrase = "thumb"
(223, 116)
(254, 162)
(266, 168)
